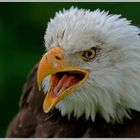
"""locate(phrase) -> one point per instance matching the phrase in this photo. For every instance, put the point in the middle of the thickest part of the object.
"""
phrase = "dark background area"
(22, 27)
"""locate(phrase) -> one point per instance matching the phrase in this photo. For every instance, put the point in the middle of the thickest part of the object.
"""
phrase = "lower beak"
(64, 78)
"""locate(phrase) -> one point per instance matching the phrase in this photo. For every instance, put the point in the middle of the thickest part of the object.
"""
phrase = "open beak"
(64, 78)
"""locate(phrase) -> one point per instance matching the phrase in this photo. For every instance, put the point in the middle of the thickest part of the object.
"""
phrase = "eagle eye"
(89, 55)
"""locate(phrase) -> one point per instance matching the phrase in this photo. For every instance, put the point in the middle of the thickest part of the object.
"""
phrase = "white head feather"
(113, 86)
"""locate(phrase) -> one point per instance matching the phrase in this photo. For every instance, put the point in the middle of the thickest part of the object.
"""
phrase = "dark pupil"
(89, 53)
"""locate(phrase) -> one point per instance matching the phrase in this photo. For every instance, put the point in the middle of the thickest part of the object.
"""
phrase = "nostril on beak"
(57, 57)
(46, 57)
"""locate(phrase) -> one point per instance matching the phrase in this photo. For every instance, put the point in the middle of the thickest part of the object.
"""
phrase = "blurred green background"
(22, 27)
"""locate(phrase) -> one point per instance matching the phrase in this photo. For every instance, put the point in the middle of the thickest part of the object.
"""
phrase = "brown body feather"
(31, 121)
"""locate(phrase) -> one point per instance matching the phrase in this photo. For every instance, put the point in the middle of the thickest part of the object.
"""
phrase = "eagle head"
(91, 65)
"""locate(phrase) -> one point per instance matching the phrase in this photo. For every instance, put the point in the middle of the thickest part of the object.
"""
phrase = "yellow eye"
(89, 54)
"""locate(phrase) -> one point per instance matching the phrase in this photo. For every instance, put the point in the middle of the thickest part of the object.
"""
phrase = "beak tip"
(46, 110)
(39, 87)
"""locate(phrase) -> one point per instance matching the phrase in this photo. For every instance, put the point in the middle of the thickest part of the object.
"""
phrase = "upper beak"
(51, 63)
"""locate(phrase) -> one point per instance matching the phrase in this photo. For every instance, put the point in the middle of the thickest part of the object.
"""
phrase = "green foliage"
(22, 27)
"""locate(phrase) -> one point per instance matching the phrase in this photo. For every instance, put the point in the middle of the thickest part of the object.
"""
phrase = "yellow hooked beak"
(64, 78)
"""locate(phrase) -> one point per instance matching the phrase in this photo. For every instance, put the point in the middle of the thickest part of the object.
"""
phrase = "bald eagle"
(87, 83)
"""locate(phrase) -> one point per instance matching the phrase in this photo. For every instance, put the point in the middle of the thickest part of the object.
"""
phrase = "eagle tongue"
(65, 82)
